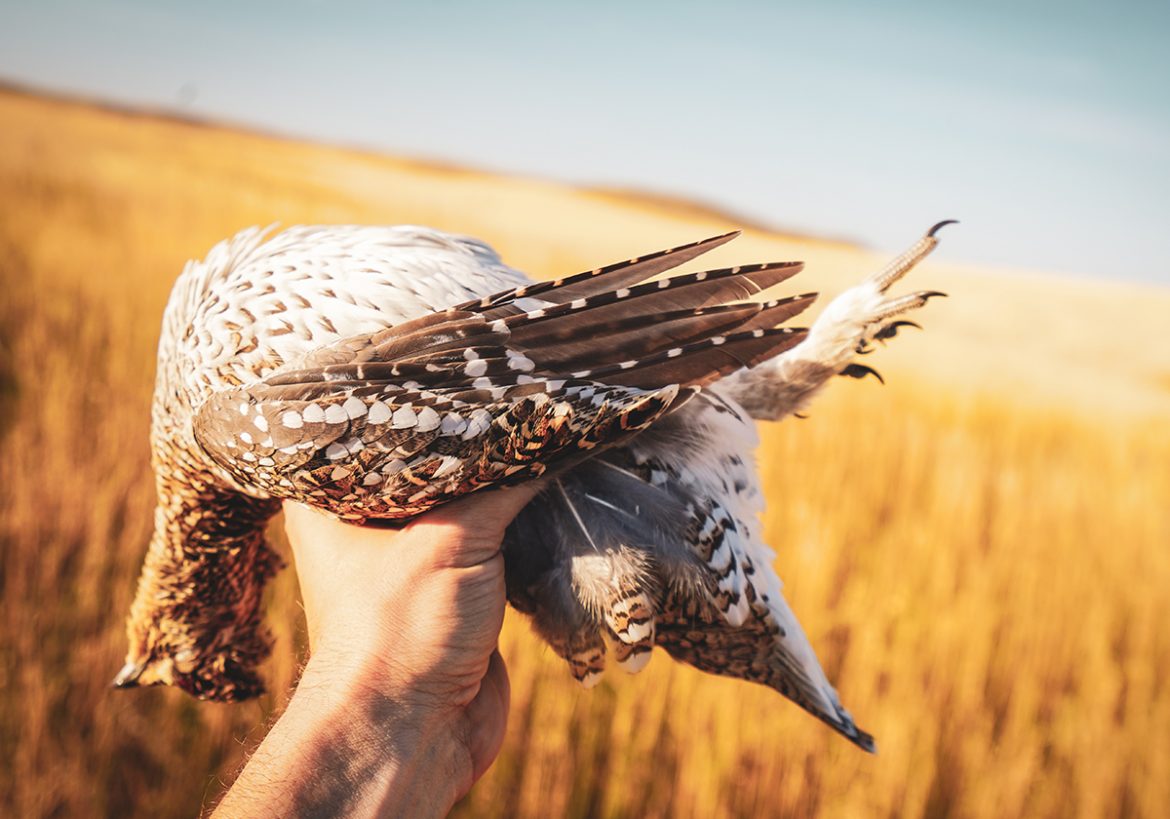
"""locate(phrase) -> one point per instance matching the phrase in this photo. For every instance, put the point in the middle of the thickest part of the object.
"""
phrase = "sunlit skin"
(403, 703)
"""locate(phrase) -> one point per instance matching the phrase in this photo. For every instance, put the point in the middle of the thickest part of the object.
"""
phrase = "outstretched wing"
(391, 424)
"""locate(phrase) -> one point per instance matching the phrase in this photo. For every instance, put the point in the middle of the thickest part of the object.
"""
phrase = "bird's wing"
(741, 625)
(600, 279)
(390, 424)
(769, 648)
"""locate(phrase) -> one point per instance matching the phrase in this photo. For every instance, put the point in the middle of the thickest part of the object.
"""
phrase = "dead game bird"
(376, 372)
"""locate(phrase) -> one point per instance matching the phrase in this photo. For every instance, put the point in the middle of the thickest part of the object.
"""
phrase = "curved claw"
(891, 329)
(861, 371)
(927, 295)
(128, 676)
(935, 229)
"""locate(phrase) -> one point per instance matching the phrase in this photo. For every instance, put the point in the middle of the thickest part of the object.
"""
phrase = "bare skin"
(403, 703)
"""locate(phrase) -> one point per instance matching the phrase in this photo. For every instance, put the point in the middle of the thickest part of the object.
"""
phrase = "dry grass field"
(980, 551)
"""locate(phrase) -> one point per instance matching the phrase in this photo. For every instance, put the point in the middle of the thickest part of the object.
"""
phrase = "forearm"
(344, 749)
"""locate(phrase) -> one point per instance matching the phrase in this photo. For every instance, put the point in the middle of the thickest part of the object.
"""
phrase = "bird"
(377, 372)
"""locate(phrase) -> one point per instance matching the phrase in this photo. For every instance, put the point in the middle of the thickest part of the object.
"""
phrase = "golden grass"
(979, 551)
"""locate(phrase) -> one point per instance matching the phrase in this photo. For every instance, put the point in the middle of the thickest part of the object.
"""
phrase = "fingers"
(339, 563)
(468, 532)
(491, 509)
(488, 716)
(314, 534)
(303, 522)
(477, 519)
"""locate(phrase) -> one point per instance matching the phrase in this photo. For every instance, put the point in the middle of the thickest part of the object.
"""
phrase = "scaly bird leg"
(859, 316)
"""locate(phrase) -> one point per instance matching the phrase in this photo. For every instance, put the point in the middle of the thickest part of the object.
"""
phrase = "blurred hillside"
(978, 550)
(1030, 335)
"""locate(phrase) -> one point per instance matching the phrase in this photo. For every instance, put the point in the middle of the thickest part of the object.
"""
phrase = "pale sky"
(1043, 126)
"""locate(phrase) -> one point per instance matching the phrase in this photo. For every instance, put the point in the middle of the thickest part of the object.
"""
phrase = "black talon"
(930, 294)
(801, 417)
(861, 371)
(891, 329)
(941, 225)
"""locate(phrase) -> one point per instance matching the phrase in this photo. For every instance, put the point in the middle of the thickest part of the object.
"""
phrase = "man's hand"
(404, 701)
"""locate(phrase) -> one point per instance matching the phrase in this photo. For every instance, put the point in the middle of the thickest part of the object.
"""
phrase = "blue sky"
(1043, 126)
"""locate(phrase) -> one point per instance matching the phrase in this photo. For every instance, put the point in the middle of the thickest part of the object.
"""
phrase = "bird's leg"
(609, 591)
(196, 620)
(545, 594)
(574, 606)
(861, 315)
(583, 650)
(589, 592)
(616, 585)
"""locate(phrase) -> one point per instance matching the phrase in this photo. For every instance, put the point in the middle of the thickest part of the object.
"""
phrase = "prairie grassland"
(979, 551)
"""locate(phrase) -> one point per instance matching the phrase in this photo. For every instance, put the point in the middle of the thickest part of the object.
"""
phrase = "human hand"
(414, 615)
(404, 700)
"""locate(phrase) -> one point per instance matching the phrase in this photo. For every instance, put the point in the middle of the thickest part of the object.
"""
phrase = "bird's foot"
(865, 313)
(617, 591)
(630, 618)
(584, 651)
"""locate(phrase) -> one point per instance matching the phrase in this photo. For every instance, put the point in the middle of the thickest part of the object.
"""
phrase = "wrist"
(410, 755)
(344, 748)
